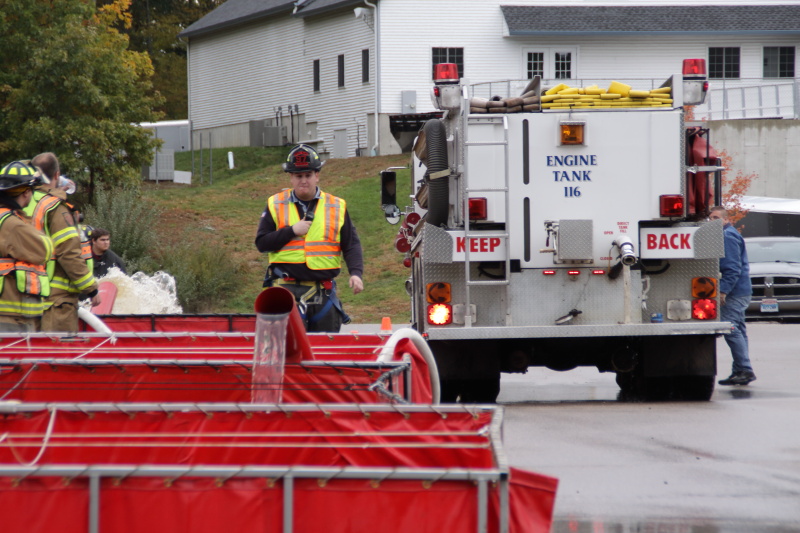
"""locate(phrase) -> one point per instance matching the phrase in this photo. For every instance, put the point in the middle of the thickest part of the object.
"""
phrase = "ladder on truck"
(466, 190)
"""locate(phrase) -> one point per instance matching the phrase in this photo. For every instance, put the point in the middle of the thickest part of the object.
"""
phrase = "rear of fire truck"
(567, 230)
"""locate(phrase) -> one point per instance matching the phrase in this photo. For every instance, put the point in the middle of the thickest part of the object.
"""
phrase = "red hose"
(276, 301)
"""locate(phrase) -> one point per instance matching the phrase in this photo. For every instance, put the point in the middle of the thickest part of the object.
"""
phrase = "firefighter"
(24, 251)
(69, 268)
(306, 232)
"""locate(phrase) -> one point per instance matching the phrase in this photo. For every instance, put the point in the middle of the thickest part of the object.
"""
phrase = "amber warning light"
(572, 133)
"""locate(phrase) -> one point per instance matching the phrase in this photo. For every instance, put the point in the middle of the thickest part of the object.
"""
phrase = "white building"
(324, 69)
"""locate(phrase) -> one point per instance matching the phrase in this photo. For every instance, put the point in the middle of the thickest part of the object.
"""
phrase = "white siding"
(478, 27)
(246, 73)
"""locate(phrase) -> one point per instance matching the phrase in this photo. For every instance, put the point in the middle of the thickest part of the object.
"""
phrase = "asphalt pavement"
(731, 465)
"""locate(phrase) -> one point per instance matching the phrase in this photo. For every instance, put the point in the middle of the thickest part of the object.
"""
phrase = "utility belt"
(322, 292)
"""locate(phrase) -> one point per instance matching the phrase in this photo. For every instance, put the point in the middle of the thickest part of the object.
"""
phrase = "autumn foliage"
(734, 185)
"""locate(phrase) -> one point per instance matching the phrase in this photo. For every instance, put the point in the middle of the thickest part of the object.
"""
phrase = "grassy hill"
(224, 208)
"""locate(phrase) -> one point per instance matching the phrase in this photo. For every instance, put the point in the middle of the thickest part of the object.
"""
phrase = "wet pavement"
(731, 465)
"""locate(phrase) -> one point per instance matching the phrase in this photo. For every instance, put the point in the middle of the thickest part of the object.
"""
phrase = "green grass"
(225, 210)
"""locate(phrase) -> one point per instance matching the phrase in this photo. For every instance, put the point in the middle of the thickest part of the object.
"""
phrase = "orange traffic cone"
(386, 325)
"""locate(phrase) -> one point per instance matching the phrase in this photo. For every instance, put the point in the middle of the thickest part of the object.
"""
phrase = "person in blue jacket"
(735, 293)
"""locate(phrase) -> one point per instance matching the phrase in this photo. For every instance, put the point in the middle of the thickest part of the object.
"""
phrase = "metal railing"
(744, 98)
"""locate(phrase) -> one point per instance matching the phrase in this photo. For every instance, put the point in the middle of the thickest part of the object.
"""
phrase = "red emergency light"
(704, 309)
(549, 272)
(445, 73)
(671, 205)
(574, 272)
(477, 208)
(694, 68)
(599, 272)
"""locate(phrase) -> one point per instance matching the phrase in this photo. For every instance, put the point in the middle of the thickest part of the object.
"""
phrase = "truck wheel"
(482, 390)
(693, 388)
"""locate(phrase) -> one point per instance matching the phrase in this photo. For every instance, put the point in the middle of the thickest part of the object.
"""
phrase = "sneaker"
(738, 378)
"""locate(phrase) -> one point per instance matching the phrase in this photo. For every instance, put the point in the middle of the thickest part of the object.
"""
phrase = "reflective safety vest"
(41, 204)
(320, 248)
(31, 279)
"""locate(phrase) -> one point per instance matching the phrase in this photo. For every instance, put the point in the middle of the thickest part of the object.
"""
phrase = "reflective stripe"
(64, 235)
(30, 278)
(26, 309)
(320, 248)
(79, 285)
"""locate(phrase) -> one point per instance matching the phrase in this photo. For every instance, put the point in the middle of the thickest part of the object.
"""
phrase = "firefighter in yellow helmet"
(69, 268)
(23, 253)
(306, 232)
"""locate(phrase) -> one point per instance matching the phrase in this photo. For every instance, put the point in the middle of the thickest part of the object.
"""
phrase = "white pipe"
(377, 144)
(94, 321)
(387, 355)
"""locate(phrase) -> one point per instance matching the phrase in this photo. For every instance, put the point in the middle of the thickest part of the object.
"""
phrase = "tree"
(70, 85)
(154, 29)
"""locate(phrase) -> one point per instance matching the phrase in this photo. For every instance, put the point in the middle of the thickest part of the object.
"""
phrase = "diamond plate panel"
(675, 283)
(437, 246)
(575, 240)
(709, 242)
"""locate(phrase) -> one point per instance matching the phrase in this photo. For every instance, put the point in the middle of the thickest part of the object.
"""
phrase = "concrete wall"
(768, 147)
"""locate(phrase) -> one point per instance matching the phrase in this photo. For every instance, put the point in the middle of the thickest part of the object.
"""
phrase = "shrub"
(202, 275)
(130, 221)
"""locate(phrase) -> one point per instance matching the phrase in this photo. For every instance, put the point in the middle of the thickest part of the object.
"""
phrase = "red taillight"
(671, 205)
(694, 68)
(704, 309)
(573, 272)
(598, 272)
(549, 272)
(445, 72)
(440, 314)
(436, 92)
(477, 208)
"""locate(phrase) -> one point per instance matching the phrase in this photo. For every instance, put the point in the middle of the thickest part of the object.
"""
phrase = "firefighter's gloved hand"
(357, 284)
(722, 298)
(301, 228)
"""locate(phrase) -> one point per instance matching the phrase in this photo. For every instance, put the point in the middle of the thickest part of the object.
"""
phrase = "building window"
(779, 61)
(341, 70)
(316, 75)
(448, 55)
(535, 64)
(365, 66)
(563, 65)
(723, 62)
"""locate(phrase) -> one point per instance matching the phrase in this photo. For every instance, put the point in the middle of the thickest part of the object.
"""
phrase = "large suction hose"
(277, 301)
(438, 185)
(387, 355)
(94, 321)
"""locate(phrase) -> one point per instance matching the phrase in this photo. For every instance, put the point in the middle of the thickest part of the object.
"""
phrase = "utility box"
(264, 134)
(409, 102)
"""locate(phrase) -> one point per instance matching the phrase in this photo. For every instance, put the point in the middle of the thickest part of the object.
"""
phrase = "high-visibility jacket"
(70, 266)
(320, 248)
(23, 252)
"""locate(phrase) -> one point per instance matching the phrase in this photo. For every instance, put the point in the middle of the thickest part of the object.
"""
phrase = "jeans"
(733, 312)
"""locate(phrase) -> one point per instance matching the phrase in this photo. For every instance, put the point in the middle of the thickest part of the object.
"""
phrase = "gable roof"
(560, 20)
(236, 12)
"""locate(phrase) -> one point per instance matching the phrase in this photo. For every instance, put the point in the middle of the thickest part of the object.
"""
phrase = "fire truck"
(565, 227)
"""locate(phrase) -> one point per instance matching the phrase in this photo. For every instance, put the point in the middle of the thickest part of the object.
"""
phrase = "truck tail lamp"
(438, 293)
(477, 209)
(445, 73)
(704, 288)
(440, 314)
(704, 309)
(671, 205)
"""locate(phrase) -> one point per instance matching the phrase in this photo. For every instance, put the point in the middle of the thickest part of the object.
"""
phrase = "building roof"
(236, 12)
(560, 20)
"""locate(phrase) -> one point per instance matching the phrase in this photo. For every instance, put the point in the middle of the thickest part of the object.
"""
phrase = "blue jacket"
(734, 266)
